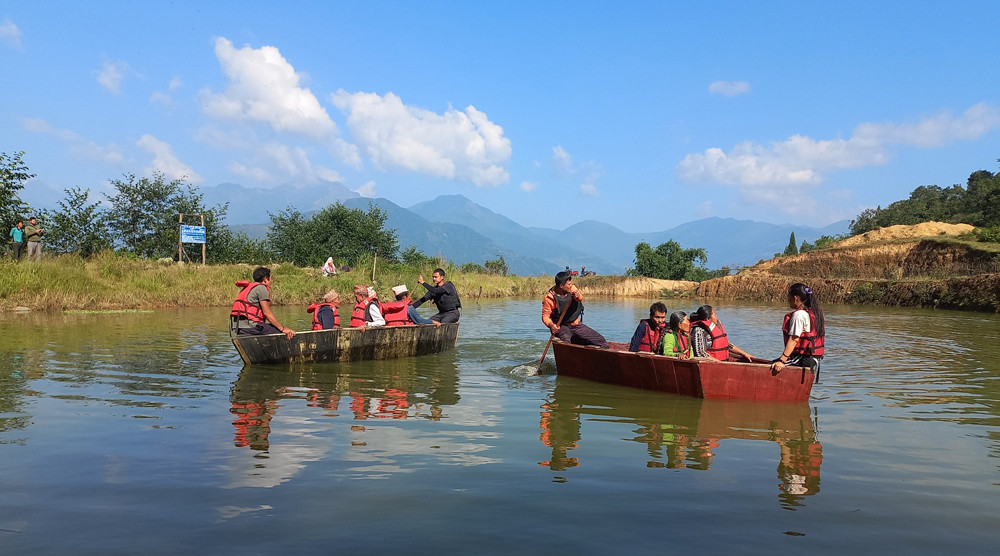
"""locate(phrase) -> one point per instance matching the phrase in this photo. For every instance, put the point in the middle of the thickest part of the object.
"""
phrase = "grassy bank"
(113, 282)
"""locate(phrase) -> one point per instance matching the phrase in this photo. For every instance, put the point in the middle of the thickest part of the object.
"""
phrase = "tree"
(791, 249)
(346, 234)
(13, 174)
(497, 266)
(78, 226)
(411, 256)
(670, 261)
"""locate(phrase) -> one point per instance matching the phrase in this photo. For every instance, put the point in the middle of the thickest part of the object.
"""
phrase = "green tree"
(806, 247)
(13, 174)
(344, 233)
(411, 256)
(669, 261)
(791, 249)
(497, 266)
(78, 226)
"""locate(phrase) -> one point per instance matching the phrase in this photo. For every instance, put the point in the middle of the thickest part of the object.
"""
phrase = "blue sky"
(642, 115)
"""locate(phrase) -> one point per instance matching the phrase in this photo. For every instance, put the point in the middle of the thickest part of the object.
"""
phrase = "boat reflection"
(685, 433)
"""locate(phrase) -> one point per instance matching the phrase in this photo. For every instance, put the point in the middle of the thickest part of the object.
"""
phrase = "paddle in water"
(551, 336)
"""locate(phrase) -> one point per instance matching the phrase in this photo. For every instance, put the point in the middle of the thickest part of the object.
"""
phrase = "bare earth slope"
(900, 265)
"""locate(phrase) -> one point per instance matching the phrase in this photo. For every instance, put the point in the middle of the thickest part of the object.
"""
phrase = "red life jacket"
(314, 309)
(809, 342)
(242, 307)
(719, 348)
(651, 339)
(394, 313)
(360, 313)
(682, 345)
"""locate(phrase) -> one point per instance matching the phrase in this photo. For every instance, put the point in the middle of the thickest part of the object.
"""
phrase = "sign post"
(190, 234)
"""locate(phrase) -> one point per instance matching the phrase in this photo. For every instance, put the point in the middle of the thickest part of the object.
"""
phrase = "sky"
(644, 115)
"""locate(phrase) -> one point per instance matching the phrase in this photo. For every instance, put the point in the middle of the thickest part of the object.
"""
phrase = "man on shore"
(33, 236)
(252, 308)
(17, 240)
(562, 310)
(444, 295)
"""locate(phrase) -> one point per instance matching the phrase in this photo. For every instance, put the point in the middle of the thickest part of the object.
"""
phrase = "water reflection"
(685, 433)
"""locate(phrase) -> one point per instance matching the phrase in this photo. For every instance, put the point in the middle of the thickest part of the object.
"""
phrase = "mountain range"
(461, 231)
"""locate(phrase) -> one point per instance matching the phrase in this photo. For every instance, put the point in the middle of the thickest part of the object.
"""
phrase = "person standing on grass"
(33, 237)
(17, 240)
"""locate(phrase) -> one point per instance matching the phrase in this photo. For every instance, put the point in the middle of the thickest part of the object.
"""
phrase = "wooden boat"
(697, 377)
(347, 344)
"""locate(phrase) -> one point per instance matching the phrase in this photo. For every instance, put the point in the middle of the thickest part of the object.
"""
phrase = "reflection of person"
(444, 295)
(804, 330)
(33, 237)
(647, 334)
(367, 310)
(17, 240)
(708, 336)
(329, 267)
(324, 313)
(564, 299)
(677, 341)
(252, 308)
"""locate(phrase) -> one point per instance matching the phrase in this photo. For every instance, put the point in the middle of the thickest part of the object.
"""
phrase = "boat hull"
(347, 344)
(698, 377)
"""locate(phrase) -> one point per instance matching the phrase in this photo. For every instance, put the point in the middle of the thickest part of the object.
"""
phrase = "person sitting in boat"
(562, 312)
(329, 267)
(401, 311)
(804, 330)
(647, 334)
(677, 338)
(367, 310)
(709, 339)
(324, 313)
(251, 312)
(444, 295)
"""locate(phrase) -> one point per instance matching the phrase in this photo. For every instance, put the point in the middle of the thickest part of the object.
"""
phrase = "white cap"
(399, 290)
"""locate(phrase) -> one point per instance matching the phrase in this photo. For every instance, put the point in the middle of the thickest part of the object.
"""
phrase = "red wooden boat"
(698, 377)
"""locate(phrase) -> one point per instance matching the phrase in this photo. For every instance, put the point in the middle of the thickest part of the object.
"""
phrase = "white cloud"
(589, 189)
(264, 87)
(367, 190)
(252, 173)
(528, 187)
(10, 34)
(110, 76)
(175, 83)
(165, 162)
(224, 139)
(589, 185)
(457, 145)
(562, 162)
(165, 98)
(78, 146)
(729, 88)
(773, 172)
(277, 162)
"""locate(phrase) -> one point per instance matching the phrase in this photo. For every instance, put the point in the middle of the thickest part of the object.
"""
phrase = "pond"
(144, 433)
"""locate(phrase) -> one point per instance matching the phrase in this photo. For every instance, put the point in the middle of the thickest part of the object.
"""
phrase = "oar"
(553, 335)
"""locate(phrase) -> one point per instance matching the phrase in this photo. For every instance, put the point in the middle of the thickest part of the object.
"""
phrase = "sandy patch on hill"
(926, 229)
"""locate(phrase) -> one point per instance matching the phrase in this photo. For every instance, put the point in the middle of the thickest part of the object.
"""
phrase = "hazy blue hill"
(251, 204)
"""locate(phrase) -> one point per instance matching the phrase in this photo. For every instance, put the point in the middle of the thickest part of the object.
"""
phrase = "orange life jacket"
(719, 349)
(394, 313)
(651, 339)
(809, 343)
(360, 313)
(314, 309)
(242, 307)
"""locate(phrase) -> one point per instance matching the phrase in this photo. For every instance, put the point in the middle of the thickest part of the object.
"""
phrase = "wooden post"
(206, 241)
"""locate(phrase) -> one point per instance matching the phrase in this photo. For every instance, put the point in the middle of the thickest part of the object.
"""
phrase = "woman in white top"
(804, 330)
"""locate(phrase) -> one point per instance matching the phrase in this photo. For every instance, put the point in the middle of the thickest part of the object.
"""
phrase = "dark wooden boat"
(698, 378)
(347, 344)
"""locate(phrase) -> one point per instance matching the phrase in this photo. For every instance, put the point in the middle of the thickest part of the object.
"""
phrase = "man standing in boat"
(444, 295)
(562, 310)
(251, 311)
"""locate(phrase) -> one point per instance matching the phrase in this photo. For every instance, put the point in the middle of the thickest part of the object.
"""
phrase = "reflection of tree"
(688, 433)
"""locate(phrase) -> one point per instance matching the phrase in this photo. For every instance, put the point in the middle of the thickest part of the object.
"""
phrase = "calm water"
(143, 433)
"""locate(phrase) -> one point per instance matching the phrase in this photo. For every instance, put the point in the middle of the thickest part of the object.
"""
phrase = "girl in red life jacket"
(677, 339)
(709, 338)
(804, 330)
(325, 315)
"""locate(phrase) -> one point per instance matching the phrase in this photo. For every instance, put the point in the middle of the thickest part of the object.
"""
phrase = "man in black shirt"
(444, 295)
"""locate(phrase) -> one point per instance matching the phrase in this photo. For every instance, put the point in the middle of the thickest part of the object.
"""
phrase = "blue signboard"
(192, 234)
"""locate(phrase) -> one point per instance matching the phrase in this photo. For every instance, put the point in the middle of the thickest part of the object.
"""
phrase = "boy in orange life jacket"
(648, 333)
(252, 307)
(565, 298)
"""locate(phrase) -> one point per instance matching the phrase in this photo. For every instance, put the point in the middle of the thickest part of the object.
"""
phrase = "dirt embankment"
(917, 266)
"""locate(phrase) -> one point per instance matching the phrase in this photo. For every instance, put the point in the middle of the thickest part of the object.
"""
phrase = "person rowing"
(563, 303)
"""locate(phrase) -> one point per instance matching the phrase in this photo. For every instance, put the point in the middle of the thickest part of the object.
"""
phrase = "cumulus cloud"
(264, 87)
(111, 75)
(165, 98)
(78, 145)
(10, 34)
(456, 145)
(773, 171)
(729, 88)
(166, 162)
(528, 187)
(562, 162)
(277, 162)
(367, 190)
(589, 185)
